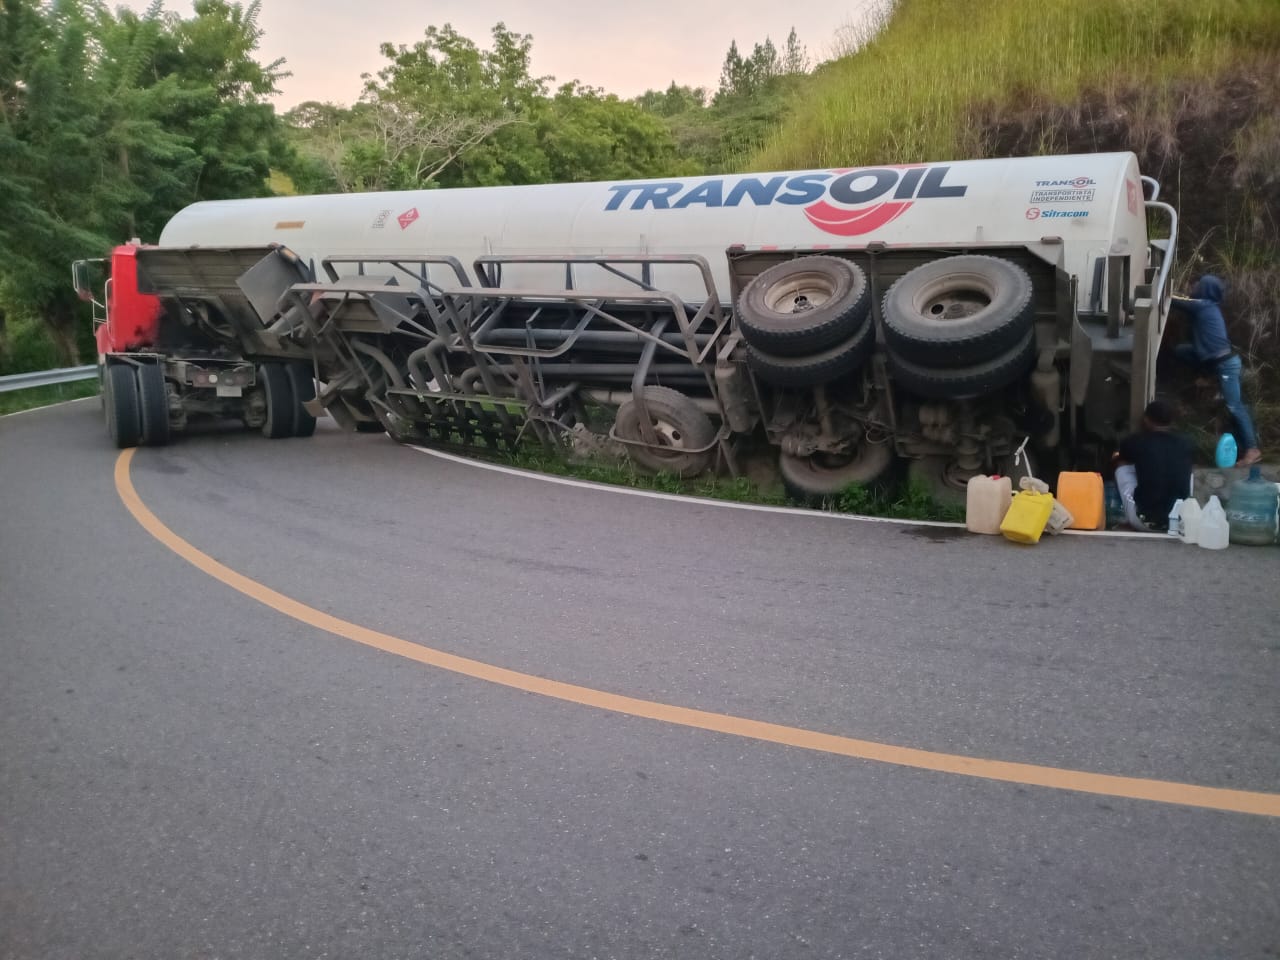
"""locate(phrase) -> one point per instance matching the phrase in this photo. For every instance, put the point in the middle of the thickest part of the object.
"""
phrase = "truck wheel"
(825, 474)
(281, 404)
(937, 477)
(953, 383)
(803, 306)
(304, 389)
(680, 427)
(958, 310)
(124, 418)
(817, 368)
(153, 400)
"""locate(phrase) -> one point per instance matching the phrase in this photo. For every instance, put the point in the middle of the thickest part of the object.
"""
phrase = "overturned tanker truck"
(845, 322)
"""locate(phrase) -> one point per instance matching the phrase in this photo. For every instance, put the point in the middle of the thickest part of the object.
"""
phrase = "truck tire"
(804, 306)
(825, 475)
(304, 389)
(124, 417)
(934, 476)
(153, 401)
(282, 405)
(954, 383)
(958, 311)
(679, 423)
(817, 368)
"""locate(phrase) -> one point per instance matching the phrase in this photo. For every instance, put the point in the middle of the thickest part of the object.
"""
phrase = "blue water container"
(1225, 453)
(1252, 509)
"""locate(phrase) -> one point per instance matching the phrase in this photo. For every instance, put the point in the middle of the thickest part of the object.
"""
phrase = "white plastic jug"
(987, 500)
(1215, 533)
(1190, 514)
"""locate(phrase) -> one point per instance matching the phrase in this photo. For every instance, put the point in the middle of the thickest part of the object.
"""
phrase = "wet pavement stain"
(936, 534)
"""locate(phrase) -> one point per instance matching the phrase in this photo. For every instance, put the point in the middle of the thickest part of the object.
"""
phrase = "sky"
(623, 46)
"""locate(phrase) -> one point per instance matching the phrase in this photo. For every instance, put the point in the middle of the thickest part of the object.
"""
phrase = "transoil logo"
(846, 203)
(406, 218)
(1078, 183)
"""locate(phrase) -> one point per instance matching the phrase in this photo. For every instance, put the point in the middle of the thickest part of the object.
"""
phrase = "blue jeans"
(1228, 373)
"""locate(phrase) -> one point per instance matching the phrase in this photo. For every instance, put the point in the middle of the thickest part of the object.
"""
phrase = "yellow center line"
(1029, 774)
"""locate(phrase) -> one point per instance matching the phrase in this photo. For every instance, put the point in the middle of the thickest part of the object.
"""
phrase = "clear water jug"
(1214, 533)
(986, 502)
(1190, 514)
(1251, 511)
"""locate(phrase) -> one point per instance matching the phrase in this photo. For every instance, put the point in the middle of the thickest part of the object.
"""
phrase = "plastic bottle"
(986, 502)
(1251, 511)
(1214, 533)
(1225, 453)
(1190, 514)
(1114, 505)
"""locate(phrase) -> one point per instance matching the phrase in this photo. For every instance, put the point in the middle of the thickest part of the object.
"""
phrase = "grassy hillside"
(921, 89)
(1191, 86)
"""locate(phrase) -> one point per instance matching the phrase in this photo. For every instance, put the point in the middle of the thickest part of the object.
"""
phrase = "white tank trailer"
(845, 322)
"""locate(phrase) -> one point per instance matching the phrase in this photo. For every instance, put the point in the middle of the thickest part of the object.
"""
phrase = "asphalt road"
(187, 773)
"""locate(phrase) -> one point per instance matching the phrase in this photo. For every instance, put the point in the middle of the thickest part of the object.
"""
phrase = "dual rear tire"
(807, 321)
(955, 327)
(286, 387)
(960, 327)
(135, 401)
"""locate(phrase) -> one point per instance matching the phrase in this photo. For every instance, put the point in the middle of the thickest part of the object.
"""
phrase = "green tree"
(445, 112)
(110, 122)
(673, 101)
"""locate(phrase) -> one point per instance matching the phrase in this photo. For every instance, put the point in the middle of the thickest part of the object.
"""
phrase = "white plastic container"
(1175, 519)
(987, 500)
(1190, 514)
(1214, 533)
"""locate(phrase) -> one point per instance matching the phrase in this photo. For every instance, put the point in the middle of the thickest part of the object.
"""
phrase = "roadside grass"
(18, 400)
(908, 503)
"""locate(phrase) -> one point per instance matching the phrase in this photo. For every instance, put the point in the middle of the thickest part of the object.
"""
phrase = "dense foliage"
(110, 121)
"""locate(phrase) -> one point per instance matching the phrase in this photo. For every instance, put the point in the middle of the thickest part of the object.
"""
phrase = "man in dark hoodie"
(1210, 352)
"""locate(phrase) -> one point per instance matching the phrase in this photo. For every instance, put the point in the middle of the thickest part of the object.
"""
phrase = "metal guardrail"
(45, 378)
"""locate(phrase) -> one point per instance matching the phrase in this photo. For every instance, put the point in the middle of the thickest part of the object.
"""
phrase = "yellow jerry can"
(1027, 516)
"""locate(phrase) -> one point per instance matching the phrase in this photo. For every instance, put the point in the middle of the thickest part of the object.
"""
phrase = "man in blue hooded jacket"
(1210, 352)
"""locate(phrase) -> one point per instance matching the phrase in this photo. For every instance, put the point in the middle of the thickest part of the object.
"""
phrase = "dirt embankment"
(1214, 145)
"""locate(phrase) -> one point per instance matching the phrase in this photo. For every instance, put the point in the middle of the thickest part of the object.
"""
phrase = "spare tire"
(954, 383)
(681, 427)
(803, 306)
(815, 369)
(958, 311)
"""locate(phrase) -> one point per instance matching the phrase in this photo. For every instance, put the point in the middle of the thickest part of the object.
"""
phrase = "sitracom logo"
(846, 203)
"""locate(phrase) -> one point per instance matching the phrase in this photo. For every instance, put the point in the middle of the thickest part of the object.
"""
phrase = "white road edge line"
(47, 406)
(756, 507)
